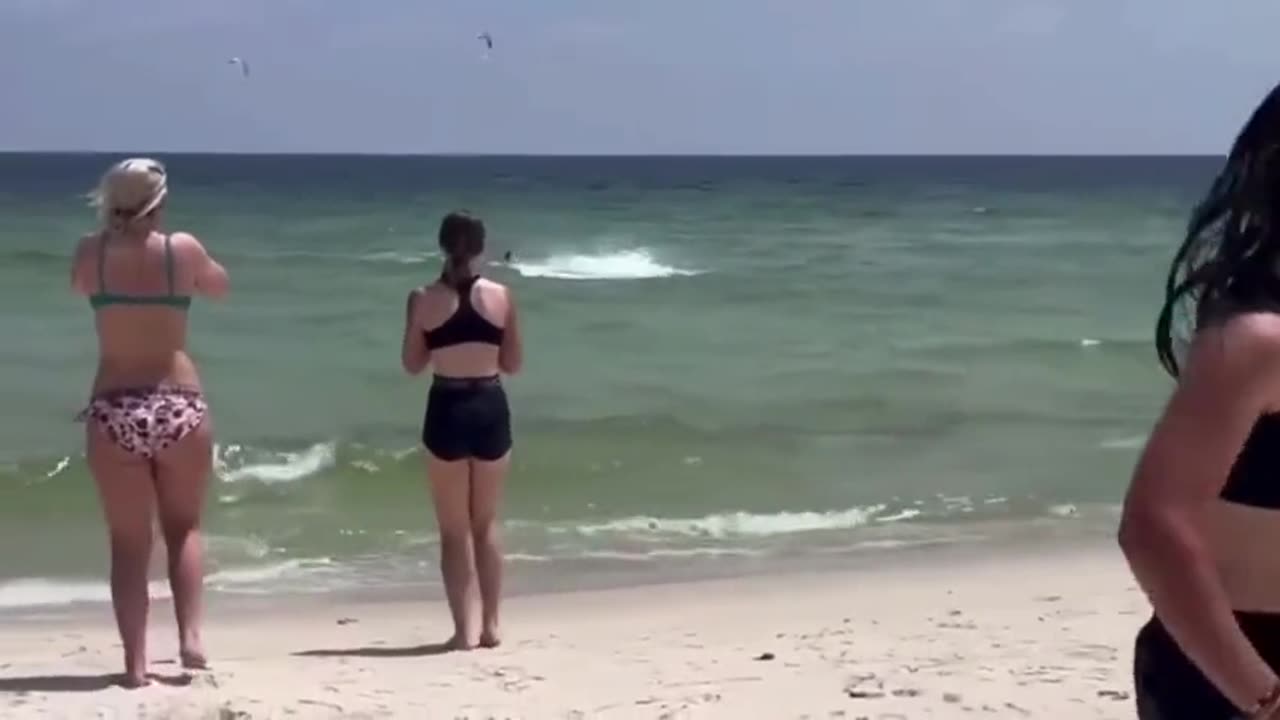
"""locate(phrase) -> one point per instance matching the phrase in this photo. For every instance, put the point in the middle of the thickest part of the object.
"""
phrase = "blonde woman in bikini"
(149, 439)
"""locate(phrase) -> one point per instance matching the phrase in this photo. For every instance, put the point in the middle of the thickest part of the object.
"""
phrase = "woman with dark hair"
(1200, 526)
(149, 437)
(465, 327)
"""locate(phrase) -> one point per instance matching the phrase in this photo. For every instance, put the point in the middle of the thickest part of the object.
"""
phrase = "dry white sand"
(1044, 636)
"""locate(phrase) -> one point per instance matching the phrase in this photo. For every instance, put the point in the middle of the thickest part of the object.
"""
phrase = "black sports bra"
(465, 325)
(1255, 477)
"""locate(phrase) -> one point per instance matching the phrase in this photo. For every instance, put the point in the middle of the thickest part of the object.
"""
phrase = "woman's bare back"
(140, 317)
(428, 309)
(438, 302)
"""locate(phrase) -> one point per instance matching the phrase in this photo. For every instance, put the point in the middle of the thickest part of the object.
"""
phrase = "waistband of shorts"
(444, 382)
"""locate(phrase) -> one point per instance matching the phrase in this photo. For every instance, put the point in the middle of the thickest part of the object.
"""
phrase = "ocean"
(730, 361)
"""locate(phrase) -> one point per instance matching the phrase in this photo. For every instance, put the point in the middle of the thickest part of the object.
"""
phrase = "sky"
(635, 76)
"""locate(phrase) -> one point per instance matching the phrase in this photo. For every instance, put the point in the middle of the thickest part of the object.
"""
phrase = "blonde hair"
(130, 191)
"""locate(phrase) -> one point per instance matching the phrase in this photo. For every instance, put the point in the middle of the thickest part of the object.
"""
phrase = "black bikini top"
(1255, 477)
(465, 325)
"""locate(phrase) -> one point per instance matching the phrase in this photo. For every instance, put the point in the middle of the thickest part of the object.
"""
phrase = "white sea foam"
(37, 592)
(280, 467)
(735, 524)
(1133, 442)
(400, 257)
(42, 592)
(57, 469)
(617, 265)
(254, 575)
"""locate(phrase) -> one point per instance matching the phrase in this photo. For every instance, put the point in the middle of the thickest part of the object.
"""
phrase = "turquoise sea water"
(726, 358)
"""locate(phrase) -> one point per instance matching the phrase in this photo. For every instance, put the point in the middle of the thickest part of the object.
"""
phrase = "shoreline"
(1034, 538)
(1027, 631)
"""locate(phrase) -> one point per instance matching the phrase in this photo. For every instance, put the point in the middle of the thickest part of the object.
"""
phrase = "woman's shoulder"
(185, 241)
(493, 287)
(87, 242)
(1256, 330)
(1243, 345)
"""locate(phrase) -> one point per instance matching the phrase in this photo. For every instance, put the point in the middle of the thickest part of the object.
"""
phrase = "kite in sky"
(244, 66)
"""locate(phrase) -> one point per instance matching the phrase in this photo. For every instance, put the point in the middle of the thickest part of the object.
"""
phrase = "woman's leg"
(450, 492)
(182, 480)
(125, 483)
(487, 480)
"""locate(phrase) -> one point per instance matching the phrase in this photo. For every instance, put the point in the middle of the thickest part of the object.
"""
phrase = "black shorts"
(467, 418)
(1169, 686)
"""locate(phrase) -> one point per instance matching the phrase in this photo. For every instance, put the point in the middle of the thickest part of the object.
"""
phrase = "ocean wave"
(1023, 344)
(728, 525)
(618, 265)
(1133, 442)
(45, 592)
(269, 573)
(35, 257)
(635, 556)
(37, 592)
(400, 257)
(272, 467)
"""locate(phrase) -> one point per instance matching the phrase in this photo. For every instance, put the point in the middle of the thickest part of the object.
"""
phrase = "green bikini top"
(102, 298)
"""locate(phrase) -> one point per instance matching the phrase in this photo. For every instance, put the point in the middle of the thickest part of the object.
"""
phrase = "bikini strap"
(168, 262)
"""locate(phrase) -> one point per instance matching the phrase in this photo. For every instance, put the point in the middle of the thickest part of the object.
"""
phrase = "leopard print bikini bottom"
(146, 420)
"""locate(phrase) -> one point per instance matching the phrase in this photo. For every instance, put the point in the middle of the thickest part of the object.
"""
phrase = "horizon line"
(612, 156)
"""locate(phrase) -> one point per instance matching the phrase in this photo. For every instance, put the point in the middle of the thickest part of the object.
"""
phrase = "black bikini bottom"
(1170, 687)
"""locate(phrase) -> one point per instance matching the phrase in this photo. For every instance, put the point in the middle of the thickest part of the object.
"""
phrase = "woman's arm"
(79, 278)
(511, 353)
(414, 353)
(1230, 379)
(211, 279)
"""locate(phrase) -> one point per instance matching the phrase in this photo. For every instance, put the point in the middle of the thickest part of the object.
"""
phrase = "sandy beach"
(994, 635)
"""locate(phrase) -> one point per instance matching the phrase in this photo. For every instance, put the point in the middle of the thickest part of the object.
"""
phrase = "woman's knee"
(484, 531)
(179, 530)
(131, 543)
(454, 528)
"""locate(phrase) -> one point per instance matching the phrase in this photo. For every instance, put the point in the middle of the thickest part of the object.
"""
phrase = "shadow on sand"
(79, 683)
(381, 652)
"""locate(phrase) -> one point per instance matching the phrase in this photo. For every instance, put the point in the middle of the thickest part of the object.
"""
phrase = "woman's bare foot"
(191, 652)
(458, 642)
(490, 638)
(134, 680)
(193, 659)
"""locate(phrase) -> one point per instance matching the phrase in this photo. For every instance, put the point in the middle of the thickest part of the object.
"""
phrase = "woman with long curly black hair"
(1201, 525)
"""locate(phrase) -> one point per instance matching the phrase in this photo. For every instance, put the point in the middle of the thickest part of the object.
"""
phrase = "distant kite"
(487, 38)
(244, 66)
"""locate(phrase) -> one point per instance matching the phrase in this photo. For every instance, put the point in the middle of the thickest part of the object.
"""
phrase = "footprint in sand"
(906, 693)
(864, 687)
(1093, 651)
